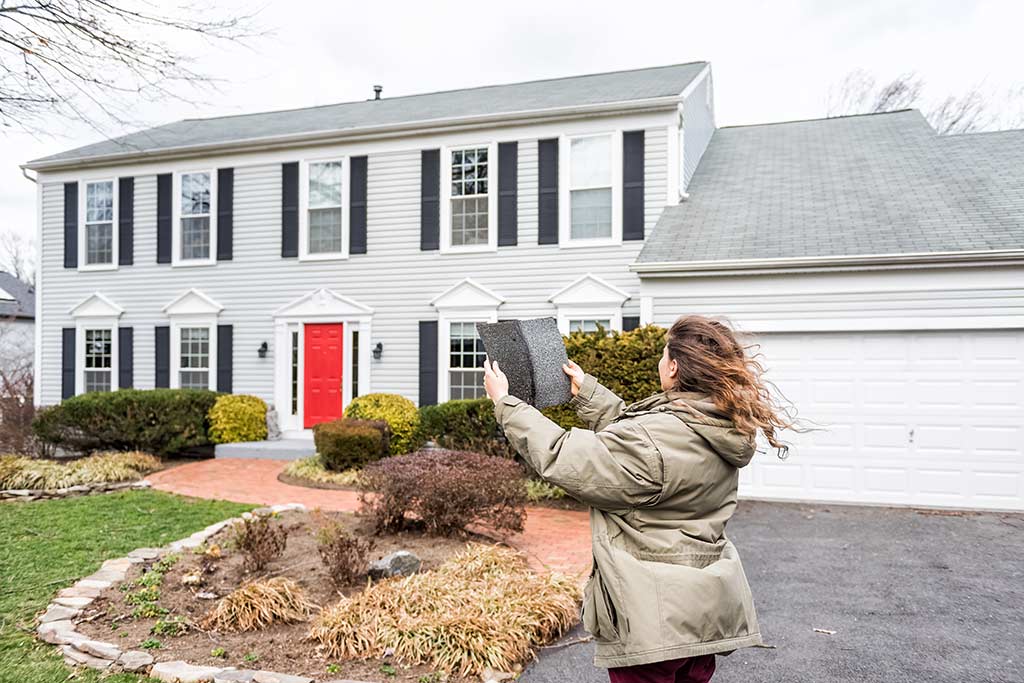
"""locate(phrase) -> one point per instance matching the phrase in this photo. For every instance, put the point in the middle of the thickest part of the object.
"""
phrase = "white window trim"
(492, 199)
(83, 245)
(598, 312)
(564, 189)
(304, 254)
(176, 260)
(444, 338)
(177, 323)
(97, 323)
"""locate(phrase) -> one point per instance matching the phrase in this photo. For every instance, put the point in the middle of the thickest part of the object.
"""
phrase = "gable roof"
(875, 185)
(20, 299)
(495, 101)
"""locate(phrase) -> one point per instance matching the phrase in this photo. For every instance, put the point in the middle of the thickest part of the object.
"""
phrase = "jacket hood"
(699, 413)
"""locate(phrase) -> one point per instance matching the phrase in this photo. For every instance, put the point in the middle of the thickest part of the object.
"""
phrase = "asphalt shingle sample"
(531, 354)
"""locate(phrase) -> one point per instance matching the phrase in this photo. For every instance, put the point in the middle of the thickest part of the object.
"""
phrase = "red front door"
(322, 378)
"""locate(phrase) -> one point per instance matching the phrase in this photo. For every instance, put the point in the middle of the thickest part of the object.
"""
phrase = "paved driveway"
(911, 596)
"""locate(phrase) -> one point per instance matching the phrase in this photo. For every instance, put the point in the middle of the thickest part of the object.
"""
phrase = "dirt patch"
(280, 647)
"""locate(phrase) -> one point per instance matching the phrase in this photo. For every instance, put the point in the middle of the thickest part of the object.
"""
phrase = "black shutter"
(357, 205)
(125, 358)
(163, 356)
(630, 322)
(430, 201)
(633, 185)
(290, 209)
(547, 191)
(428, 362)
(70, 226)
(163, 217)
(508, 194)
(225, 357)
(225, 213)
(67, 360)
(125, 221)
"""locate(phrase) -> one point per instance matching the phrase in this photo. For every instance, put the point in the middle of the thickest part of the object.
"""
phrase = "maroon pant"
(687, 670)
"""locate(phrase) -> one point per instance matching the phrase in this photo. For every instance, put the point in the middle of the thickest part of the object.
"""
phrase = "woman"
(667, 590)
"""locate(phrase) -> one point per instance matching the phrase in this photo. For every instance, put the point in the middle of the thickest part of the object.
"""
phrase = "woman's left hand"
(495, 381)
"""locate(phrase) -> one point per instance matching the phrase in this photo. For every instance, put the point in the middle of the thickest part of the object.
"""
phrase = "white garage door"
(912, 418)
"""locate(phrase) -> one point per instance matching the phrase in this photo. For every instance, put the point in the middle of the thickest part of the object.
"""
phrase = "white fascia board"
(448, 298)
(616, 295)
(206, 305)
(95, 306)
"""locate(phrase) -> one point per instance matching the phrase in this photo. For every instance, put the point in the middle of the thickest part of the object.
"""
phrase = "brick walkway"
(553, 539)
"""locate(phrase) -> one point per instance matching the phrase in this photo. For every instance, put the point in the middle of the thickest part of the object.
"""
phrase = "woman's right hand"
(575, 373)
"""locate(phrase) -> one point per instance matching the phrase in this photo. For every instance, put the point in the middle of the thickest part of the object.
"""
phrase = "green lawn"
(47, 545)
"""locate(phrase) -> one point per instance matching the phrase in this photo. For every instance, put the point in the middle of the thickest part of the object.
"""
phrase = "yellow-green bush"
(399, 412)
(237, 417)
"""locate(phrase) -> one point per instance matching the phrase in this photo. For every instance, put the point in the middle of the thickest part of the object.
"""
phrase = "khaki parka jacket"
(660, 477)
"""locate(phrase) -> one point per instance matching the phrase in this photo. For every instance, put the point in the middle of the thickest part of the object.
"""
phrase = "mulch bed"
(280, 647)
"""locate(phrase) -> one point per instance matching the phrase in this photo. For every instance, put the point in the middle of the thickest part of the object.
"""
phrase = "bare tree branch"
(17, 256)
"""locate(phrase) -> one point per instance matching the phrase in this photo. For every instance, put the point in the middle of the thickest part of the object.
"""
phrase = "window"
(99, 355)
(465, 362)
(196, 198)
(194, 359)
(295, 372)
(589, 324)
(355, 363)
(324, 213)
(590, 187)
(99, 223)
(469, 199)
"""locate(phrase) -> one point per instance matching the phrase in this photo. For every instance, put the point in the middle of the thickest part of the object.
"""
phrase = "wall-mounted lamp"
(378, 350)
(262, 351)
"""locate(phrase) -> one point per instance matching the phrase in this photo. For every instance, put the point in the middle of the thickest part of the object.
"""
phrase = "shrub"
(347, 443)
(237, 417)
(464, 425)
(435, 618)
(159, 421)
(260, 540)
(538, 490)
(312, 469)
(344, 555)
(31, 473)
(259, 604)
(447, 490)
(399, 412)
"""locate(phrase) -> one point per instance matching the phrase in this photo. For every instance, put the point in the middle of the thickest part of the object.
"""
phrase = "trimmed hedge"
(346, 443)
(238, 417)
(464, 425)
(158, 421)
(399, 412)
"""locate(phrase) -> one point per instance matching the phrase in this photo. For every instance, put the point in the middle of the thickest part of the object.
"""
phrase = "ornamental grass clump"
(30, 473)
(482, 608)
(312, 469)
(257, 605)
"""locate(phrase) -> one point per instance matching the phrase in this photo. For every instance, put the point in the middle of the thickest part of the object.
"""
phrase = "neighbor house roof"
(876, 185)
(490, 102)
(17, 299)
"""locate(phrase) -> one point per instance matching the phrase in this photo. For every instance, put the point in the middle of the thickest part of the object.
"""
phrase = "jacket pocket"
(599, 615)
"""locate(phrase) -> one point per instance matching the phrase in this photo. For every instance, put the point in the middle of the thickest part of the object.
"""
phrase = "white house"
(17, 323)
(308, 256)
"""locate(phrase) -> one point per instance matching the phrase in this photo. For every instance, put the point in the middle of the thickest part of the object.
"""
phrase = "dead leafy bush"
(344, 555)
(483, 608)
(447, 490)
(257, 605)
(260, 540)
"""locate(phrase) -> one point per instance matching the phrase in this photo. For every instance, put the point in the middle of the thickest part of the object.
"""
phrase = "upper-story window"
(323, 220)
(470, 206)
(99, 207)
(99, 355)
(195, 218)
(590, 187)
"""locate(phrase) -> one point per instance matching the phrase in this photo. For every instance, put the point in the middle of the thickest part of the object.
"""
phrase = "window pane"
(99, 243)
(355, 363)
(324, 231)
(99, 202)
(465, 362)
(195, 238)
(469, 172)
(591, 213)
(591, 161)
(97, 380)
(295, 373)
(98, 358)
(325, 184)
(469, 220)
(194, 361)
(195, 194)
(194, 379)
(589, 324)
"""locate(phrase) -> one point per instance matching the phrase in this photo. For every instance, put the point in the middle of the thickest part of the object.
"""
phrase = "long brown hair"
(711, 360)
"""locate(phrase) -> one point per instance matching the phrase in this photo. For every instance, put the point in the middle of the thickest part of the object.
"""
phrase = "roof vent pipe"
(377, 90)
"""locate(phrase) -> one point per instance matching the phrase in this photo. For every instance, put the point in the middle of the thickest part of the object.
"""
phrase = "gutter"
(261, 144)
(816, 263)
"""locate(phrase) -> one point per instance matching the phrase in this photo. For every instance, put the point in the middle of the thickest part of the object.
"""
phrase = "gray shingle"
(619, 86)
(23, 304)
(858, 185)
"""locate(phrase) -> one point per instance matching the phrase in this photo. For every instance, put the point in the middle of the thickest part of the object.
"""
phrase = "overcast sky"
(772, 61)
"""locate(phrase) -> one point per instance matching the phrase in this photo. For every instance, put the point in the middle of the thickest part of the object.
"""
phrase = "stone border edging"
(57, 626)
(27, 495)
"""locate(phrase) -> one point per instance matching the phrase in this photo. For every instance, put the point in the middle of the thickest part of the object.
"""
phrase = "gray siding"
(698, 127)
(394, 278)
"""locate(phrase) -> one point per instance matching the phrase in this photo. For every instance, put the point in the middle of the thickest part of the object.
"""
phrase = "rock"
(76, 603)
(109, 575)
(59, 613)
(274, 677)
(489, 675)
(135, 661)
(398, 563)
(98, 648)
(77, 657)
(145, 553)
(235, 676)
(190, 543)
(182, 672)
(78, 591)
(58, 632)
(273, 424)
(206, 595)
(94, 583)
(18, 493)
(285, 507)
(192, 579)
